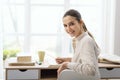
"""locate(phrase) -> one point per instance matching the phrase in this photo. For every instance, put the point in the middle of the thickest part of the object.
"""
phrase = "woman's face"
(72, 26)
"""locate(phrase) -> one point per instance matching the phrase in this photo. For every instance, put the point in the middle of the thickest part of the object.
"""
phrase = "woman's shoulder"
(88, 39)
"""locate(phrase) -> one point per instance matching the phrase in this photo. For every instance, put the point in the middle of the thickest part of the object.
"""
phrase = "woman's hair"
(77, 15)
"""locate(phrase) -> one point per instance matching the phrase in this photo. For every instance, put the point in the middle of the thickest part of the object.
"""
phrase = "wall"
(1, 55)
(1, 49)
(117, 29)
(1, 60)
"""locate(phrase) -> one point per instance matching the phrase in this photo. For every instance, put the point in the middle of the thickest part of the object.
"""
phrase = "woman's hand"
(61, 60)
(62, 67)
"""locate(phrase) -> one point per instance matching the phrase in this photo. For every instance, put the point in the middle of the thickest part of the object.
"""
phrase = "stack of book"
(21, 61)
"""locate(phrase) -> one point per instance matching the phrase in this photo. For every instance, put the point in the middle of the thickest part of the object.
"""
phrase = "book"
(14, 62)
(22, 64)
(109, 58)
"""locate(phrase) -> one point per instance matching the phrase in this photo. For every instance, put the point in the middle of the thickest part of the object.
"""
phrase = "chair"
(72, 75)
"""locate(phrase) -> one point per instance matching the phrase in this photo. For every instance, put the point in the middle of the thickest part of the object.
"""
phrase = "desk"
(109, 71)
(37, 72)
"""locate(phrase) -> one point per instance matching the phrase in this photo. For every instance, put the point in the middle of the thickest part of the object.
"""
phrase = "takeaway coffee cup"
(41, 55)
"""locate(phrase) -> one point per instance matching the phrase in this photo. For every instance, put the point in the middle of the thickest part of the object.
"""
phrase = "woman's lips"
(72, 32)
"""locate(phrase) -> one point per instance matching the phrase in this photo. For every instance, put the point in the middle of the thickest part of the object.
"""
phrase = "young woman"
(85, 59)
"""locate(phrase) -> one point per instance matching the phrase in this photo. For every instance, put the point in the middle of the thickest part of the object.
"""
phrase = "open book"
(109, 58)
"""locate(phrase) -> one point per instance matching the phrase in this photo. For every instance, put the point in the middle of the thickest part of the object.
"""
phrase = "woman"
(85, 59)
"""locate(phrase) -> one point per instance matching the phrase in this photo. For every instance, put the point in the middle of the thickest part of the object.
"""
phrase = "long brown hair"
(77, 15)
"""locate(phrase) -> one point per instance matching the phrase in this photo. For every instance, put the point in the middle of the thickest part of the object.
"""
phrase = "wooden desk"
(45, 72)
(109, 71)
(37, 72)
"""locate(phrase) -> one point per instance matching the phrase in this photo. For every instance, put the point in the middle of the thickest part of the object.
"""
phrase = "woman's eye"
(65, 25)
(71, 24)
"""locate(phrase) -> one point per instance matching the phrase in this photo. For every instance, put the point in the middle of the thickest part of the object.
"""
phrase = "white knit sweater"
(85, 59)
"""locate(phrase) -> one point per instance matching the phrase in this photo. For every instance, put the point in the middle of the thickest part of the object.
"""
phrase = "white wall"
(1, 59)
(1, 55)
(117, 29)
(1, 48)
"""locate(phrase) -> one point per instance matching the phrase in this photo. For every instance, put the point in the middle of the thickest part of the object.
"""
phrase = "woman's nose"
(68, 28)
